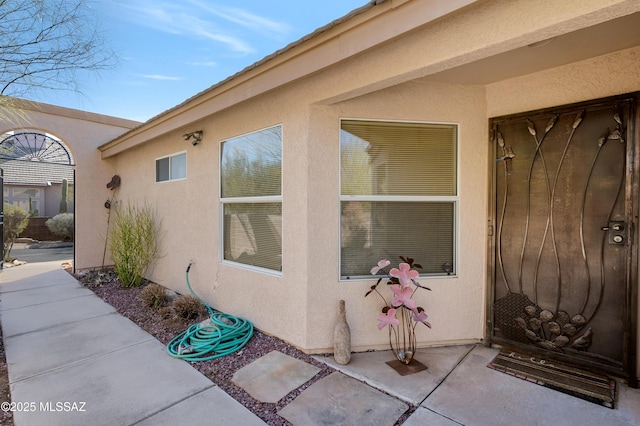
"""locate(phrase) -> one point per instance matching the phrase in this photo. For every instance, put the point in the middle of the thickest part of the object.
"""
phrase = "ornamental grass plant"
(133, 242)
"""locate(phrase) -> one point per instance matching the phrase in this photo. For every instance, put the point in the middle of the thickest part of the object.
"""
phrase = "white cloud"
(204, 29)
(199, 20)
(160, 77)
(244, 18)
(203, 63)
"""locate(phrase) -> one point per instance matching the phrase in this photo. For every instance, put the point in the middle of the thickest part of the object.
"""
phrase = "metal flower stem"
(408, 336)
(411, 330)
(550, 218)
(505, 158)
(394, 348)
(538, 151)
(601, 142)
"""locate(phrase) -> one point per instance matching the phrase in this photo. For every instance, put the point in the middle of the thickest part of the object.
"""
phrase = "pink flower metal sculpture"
(381, 265)
(402, 315)
(405, 274)
(387, 319)
(421, 316)
(403, 297)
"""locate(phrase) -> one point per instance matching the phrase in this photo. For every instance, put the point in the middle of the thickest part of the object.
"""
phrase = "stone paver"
(273, 376)
(342, 400)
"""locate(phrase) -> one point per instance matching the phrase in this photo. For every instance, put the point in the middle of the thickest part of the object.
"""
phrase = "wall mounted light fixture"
(196, 136)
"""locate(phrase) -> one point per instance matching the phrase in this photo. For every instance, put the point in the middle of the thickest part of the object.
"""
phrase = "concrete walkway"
(73, 360)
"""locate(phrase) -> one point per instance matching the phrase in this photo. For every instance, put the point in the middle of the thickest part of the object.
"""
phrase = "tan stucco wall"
(189, 212)
(607, 75)
(301, 305)
(82, 133)
(463, 294)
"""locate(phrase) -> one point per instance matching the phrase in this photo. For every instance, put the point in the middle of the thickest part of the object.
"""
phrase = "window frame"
(454, 199)
(169, 158)
(250, 200)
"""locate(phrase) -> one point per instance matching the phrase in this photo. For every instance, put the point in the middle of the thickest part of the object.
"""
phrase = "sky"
(170, 50)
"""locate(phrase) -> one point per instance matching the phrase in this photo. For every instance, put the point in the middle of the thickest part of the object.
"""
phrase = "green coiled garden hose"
(222, 334)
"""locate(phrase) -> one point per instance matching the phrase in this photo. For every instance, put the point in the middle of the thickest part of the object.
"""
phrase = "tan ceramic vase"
(342, 338)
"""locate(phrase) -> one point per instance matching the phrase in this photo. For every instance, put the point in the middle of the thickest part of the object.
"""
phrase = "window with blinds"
(251, 198)
(398, 195)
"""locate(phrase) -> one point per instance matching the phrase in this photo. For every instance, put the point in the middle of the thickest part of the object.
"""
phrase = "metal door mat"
(592, 387)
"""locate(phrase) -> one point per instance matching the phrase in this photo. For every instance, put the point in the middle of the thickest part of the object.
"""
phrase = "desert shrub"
(166, 312)
(188, 307)
(154, 296)
(133, 242)
(15, 221)
(61, 225)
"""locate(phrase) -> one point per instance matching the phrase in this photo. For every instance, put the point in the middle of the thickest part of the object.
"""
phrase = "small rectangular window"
(172, 167)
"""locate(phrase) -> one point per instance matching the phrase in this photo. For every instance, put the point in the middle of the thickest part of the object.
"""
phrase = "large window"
(251, 197)
(398, 193)
(172, 167)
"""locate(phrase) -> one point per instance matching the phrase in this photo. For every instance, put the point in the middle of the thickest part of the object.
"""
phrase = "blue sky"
(170, 50)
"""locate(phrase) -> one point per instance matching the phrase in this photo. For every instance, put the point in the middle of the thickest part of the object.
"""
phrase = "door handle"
(616, 231)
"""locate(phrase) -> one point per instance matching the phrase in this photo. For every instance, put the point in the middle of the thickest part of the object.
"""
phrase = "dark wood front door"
(563, 231)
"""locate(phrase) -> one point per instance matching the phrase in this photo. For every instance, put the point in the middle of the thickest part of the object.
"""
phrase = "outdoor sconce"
(196, 136)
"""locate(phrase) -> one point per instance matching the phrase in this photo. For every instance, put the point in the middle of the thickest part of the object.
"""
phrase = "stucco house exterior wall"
(460, 62)
(82, 132)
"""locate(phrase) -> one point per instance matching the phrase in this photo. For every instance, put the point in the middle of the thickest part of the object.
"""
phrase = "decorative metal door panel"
(563, 233)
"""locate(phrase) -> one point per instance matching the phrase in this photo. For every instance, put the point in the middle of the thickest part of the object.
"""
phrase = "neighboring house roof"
(35, 173)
